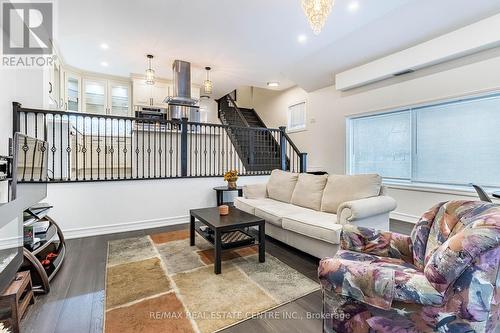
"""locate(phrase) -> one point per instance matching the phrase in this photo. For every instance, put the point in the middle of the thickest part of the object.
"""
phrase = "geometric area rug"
(159, 283)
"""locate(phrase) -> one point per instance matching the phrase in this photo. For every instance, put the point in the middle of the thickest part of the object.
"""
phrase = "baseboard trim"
(155, 223)
(123, 227)
(403, 217)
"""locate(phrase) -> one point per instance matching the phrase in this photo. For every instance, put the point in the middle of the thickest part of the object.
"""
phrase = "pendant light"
(207, 85)
(150, 73)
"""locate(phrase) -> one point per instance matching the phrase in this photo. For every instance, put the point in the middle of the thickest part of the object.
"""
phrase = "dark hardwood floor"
(75, 302)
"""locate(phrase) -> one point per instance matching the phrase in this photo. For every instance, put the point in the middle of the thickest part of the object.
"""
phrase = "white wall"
(244, 97)
(19, 85)
(85, 209)
(327, 109)
(23, 86)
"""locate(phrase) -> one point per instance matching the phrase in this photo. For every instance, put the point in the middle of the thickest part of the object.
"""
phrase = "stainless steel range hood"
(181, 105)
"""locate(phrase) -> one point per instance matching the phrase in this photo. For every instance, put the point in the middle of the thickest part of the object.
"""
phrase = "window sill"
(297, 130)
(437, 188)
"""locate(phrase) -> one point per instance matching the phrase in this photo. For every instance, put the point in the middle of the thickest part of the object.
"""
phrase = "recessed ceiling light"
(273, 84)
(104, 46)
(353, 6)
(104, 64)
(302, 38)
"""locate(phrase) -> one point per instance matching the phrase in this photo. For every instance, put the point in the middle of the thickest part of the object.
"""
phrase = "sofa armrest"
(380, 243)
(255, 191)
(351, 211)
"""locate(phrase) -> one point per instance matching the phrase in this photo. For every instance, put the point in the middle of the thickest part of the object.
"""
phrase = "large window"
(453, 143)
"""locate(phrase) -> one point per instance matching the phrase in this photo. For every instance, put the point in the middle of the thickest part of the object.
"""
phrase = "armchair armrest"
(255, 191)
(351, 211)
(380, 243)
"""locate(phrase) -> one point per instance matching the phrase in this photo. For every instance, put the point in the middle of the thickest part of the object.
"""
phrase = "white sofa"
(307, 211)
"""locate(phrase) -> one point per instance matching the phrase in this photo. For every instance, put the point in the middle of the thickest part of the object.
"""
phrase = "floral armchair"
(443, 278)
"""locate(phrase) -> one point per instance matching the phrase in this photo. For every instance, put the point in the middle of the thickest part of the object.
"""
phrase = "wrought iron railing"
(92, 147)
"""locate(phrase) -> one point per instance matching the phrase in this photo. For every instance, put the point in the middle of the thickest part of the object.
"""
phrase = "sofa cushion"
(255, 191)
(273, 213)
(309, 191)
(248, 205)
(377, 281)
(281, 185)
(343, 188)
(314, 224)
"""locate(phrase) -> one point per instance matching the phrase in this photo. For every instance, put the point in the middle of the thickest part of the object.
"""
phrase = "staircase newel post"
(184, 147)
(303, 162)
(282, 147)
(16, 107)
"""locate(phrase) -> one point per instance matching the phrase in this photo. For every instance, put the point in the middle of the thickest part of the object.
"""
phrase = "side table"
(220, 193)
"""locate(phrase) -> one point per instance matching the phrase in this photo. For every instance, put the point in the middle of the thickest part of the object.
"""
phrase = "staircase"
(252, 117)
(230, 114)
(258, 148)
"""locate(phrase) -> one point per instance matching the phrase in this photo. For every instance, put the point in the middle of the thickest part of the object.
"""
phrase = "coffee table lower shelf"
(239, 238)
(226, 232)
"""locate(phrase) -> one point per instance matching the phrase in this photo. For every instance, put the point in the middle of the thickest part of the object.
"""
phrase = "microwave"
(149, 112)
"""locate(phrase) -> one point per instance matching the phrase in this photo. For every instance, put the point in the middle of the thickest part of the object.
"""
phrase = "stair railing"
(251, 143)
(291, 158)
(238, 111)
(290, 154)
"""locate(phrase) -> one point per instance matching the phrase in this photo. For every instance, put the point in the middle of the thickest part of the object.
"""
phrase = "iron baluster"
(184, 147)
(170, 151)
(84, 148)
(91, 148)
(99, 147)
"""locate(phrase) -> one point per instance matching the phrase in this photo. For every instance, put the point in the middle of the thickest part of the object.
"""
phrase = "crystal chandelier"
(207, 85)
(150, 73)
(317, 12)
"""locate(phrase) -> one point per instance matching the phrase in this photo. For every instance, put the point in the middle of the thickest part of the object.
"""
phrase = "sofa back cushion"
(281, 185)
(309, 191)
(343, 188)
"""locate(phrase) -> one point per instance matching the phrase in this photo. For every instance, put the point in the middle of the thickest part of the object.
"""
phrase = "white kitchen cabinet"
(119, 98)
(150, 94)
(142, 93)
(111, 161)
(57, 84)
(72, 91)
(54, 86)
(102, 96)
(95, 96)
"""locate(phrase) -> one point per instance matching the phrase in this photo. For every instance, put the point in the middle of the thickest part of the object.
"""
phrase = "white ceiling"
(249, 42)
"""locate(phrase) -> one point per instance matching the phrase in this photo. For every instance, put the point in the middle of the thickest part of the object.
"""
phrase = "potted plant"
(231, 177)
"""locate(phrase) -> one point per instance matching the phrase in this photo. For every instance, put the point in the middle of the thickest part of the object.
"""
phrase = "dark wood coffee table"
(235, 220)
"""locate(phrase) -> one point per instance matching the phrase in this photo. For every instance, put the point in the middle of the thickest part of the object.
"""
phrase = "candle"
(223, 209)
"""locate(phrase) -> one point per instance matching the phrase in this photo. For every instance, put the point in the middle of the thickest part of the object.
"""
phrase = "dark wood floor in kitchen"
(75, 302)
